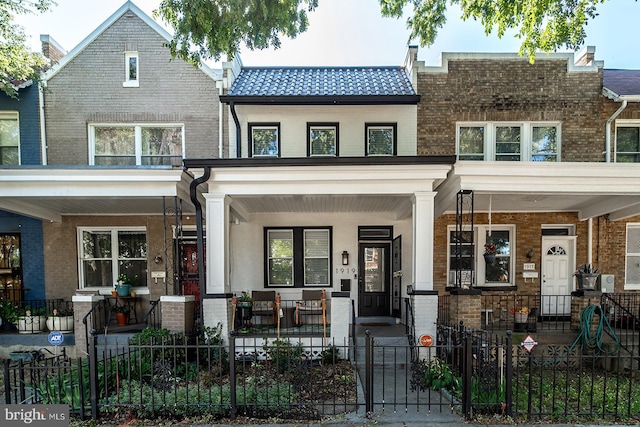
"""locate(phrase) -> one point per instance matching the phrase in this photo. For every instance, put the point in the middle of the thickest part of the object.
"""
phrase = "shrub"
(284, 354)
(330, 355)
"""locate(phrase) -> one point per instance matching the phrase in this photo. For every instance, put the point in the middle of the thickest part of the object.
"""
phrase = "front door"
(374, 279)
(558, 265)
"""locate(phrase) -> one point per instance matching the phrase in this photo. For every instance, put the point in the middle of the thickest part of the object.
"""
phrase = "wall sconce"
(529, 254)
(158, 259)
(345, 258)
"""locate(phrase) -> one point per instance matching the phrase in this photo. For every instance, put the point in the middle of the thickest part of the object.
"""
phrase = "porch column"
(340, 319)
(423, 240)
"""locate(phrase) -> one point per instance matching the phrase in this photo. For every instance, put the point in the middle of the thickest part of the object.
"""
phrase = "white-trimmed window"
(147, 145)
(9, 138)
(322, 139)
(506, 141)
(264, 139)
(131, 70)
(107, 252)
(298, 257)
(492, 271)
(632, 257)
(628, 143)
(381, 139)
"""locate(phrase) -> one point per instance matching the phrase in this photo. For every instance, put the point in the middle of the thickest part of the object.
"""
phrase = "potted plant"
(520, 315)
(245, 300)
(8, 315)
(123, 286)
(31, 320)
(61, 320)
(490, 253)
(122, 314)
(587, 276)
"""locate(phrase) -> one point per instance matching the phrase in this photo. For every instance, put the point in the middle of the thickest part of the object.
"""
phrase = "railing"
(622, 312)
(30, 315)
(151, 318)
(530, 313)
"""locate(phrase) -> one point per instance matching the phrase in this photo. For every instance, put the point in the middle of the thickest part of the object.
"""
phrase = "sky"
(353, 32)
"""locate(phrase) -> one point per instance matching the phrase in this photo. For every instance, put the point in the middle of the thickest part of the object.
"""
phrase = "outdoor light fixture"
(345, 258)
(529, 254)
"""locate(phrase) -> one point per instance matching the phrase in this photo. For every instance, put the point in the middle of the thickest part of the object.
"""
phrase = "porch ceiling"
(49, 194)
(591, 189)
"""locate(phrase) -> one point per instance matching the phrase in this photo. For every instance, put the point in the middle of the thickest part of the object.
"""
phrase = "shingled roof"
(622, 82)
(322, 85)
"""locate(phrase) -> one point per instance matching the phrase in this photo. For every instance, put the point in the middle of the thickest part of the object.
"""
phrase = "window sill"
(132, 83)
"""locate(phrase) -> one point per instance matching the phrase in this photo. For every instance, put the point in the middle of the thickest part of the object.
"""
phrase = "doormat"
(376, 324)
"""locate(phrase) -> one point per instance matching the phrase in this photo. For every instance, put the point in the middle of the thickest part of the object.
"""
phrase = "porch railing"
(526, 313)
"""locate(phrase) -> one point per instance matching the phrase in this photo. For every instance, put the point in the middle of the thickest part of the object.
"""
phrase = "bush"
(284, 354)
(330, 355)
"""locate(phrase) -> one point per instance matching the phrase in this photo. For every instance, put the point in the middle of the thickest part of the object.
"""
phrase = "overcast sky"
(352, 32)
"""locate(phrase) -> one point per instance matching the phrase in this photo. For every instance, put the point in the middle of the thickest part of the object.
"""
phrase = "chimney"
(51, 49)
(586, 56)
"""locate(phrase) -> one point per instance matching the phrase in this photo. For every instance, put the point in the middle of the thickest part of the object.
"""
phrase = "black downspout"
(200, 235)
(232, 106)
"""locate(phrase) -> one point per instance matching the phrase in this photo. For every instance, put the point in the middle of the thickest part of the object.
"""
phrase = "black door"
(374, 279)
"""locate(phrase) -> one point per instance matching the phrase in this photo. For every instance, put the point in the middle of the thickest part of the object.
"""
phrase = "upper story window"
(381, 139)
(628, 143)
(322, 139)
(490, 271)
(264, 139)
(534, 142)
(131, 71)
(632, 258)
(9, 138)
(123, 145)
(298, 256)
(105, 253)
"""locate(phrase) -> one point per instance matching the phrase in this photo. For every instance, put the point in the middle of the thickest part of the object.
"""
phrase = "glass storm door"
(374, 279)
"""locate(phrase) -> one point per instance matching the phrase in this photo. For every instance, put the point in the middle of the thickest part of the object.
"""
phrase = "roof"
(128, 6)
(322, 85)
(622, 82)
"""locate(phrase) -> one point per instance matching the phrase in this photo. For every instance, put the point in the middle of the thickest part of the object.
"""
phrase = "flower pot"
(31, 324)
(122, 319)
(63, 324)
(587, 281)
(521, 317)
(123, 290)
(489, 258)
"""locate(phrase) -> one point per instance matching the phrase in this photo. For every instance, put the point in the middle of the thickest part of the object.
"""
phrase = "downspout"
(607, 155)
(43, 133)
(232, 105)
(193, 192)
(220, 127)
(589, 241)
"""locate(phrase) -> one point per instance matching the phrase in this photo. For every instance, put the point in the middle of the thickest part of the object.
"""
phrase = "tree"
(206, 29)
(17, 61)
(543, 25)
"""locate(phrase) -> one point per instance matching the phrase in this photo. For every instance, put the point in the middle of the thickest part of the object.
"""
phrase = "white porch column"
(423, 218)
(217, 227)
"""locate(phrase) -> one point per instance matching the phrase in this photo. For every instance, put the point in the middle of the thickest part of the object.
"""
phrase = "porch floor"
(306, 330)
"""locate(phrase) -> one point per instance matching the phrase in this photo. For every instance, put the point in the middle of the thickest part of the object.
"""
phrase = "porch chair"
(264, 305)
(313, 303)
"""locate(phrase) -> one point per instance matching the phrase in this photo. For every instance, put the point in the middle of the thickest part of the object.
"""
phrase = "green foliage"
(16, 60)
(542, 25)
(205, 29)
(8, 311)
(330, 355)
(284, 354)
(439, 375)
(157, 349)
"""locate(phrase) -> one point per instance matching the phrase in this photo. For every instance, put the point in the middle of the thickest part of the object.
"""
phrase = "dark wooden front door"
(374, 279)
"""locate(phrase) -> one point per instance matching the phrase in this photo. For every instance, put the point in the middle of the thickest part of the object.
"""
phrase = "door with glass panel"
(374, 279)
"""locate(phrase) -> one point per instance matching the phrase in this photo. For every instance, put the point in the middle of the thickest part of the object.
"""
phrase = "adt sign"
(56, 338)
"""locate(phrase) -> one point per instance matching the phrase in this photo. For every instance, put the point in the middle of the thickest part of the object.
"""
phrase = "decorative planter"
(63, 324)
(587, 281)
(489, 258)
(31, 324)
(123, 290)
(122, 319)
(521, 317)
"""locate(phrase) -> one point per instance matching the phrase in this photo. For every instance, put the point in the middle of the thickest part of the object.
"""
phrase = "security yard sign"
(529, 343)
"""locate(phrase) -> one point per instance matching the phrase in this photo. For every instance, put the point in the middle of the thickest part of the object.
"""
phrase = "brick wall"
(89, 89)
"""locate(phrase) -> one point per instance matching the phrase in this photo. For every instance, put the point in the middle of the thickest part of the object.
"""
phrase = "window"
(632, 268)
(298, 256)
(131, 71)
(475, 269)
(322, 139)
(9, 138)
(628, 144)
(381, 139)
(122, 145)
(535, 142)
(105, 253)
(264, 139)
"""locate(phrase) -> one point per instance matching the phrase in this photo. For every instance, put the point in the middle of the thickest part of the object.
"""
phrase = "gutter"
(193, 192)
(234, 114)
(43, 132)
(607, 144)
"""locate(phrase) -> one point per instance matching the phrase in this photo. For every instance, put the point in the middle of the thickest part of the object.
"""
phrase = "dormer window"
(381, 139)
(264, 139)
(322, 139)
(131, 71)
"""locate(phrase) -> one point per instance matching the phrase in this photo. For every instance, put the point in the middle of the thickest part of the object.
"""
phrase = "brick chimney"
(51, 49)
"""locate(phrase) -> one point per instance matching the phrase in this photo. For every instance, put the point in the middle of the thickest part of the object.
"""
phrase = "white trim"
(177, 298)
(13, 115)
(128, 81)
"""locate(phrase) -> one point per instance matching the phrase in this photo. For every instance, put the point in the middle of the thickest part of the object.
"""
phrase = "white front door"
(558, 265)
